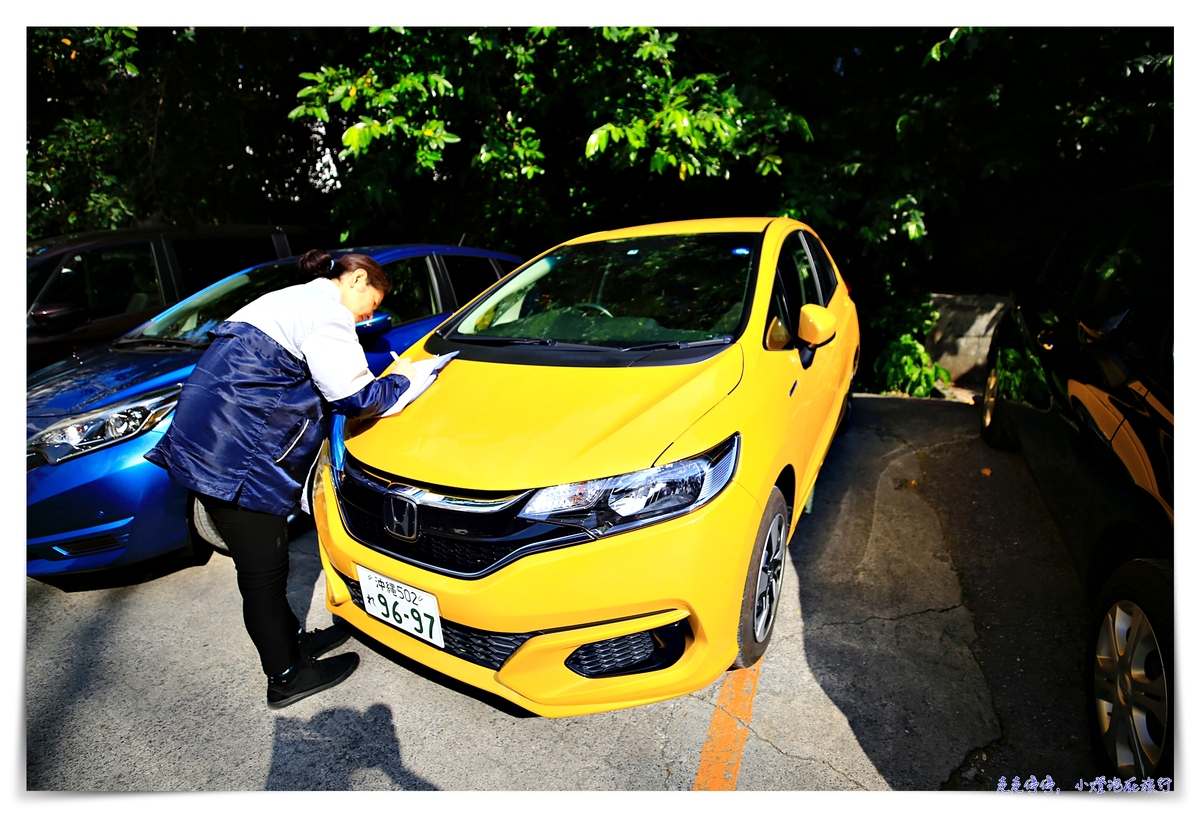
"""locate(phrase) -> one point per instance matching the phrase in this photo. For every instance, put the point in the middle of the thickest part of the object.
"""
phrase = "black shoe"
(316, 643)
(308, 677)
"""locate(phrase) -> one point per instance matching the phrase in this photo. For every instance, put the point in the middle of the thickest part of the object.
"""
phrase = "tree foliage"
(927, 159)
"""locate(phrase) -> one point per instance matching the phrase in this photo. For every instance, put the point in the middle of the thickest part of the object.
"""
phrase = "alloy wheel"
(770, 579)
(1130, 690)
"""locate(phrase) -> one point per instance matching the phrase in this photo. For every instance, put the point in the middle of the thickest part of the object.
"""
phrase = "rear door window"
(469, 275)
(105, 282)
(413, 294)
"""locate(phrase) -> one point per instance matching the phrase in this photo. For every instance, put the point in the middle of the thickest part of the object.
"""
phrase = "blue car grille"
(453, 542)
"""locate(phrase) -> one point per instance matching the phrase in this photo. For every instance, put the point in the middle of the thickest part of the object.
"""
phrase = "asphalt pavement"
(930, 639)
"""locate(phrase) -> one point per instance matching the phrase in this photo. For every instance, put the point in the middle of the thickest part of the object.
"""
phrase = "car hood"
(101, 377)
(500, 427)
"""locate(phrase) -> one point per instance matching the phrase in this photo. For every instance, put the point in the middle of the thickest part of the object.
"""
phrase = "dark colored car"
(92, 501)
(85, 289)
(1081, 381)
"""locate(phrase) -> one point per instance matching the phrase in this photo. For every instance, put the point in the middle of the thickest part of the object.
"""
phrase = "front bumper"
(101, 510)
(691, 569)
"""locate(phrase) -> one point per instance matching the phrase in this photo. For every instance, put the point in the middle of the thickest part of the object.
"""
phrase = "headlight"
(97, 429)
(615, 504)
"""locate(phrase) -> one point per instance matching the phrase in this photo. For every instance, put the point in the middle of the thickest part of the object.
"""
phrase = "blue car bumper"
(101, 510)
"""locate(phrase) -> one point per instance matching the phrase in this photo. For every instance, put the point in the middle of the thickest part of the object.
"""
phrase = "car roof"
(752, 224)
(392, 251)
(382, 253)
(85, 239)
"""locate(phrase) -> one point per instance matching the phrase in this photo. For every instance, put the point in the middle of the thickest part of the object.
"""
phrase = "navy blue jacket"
(250, 420)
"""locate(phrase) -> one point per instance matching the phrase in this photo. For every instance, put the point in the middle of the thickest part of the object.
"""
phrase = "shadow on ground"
(326, 753)
(932, 593)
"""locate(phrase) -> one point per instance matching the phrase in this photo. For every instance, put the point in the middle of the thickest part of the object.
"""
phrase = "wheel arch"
(786, 483)
(1122, 542)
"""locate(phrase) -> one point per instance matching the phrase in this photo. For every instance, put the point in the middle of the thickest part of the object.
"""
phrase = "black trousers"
(258, 543)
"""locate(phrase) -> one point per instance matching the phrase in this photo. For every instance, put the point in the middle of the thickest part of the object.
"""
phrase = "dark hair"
(320, 264)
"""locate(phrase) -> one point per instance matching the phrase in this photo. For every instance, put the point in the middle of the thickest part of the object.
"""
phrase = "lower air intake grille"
(646, 651)
(614, 655)
(487, 649)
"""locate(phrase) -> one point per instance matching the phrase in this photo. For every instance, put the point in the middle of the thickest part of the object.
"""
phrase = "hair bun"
(316, 264)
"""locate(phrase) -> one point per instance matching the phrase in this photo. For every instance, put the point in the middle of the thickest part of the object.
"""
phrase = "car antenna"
(461, 240)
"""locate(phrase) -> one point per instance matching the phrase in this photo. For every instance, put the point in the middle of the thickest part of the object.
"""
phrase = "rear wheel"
(764, 580)
(1131, 670)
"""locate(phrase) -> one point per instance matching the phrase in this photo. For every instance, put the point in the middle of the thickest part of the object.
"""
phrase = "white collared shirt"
(311, 322)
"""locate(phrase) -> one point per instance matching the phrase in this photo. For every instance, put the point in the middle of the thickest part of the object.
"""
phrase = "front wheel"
(201, 527)
(1131, 668)
(764, 581)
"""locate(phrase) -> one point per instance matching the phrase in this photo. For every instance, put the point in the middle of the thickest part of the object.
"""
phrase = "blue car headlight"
(615, 504)
(85, 433)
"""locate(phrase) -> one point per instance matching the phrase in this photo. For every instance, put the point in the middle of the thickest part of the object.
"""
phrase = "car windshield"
(622, 293)
(190, 320)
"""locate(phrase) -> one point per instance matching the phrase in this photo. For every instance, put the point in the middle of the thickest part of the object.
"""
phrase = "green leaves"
(692, 126)
(407, 97)
(72, 177)
(119, 43)
(906, 368)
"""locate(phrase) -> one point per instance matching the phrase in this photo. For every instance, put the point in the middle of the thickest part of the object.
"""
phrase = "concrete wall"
(963, 333)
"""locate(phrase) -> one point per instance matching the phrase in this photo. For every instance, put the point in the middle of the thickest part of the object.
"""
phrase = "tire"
(844, 421)
(991, 421)
(1130, 668)
(764, 579)
(201, 527)
(198, 550)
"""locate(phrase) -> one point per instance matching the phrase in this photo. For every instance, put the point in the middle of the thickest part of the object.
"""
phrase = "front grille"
(449, 540)
(462, 556)
(487, 649)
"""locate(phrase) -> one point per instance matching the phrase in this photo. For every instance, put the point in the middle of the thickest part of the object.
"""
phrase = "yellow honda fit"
(589, 508)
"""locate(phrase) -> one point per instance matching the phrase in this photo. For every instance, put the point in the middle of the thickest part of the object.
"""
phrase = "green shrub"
(906, 368)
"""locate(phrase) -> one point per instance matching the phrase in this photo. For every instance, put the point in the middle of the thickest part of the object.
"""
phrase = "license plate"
(413, 611)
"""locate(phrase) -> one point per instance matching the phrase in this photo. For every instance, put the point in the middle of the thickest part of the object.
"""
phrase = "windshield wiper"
(680, 344)
(499, 341)
(558, 344)
(139, 340)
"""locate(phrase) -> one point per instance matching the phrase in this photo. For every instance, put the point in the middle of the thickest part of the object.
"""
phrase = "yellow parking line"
(721, 758)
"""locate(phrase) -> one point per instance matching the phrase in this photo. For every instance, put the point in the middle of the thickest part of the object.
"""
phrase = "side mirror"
(778, 336)
(376, 324)
(817, 325)
(58, 317)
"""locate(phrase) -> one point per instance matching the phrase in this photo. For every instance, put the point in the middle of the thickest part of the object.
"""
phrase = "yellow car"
(589, 508)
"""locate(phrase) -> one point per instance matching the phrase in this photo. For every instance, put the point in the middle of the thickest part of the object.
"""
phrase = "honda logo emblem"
(401, 517)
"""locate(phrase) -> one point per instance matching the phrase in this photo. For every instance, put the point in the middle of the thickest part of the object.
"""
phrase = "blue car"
(93, 502)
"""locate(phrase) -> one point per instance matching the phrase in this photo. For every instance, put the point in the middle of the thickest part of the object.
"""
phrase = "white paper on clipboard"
(425, 372)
